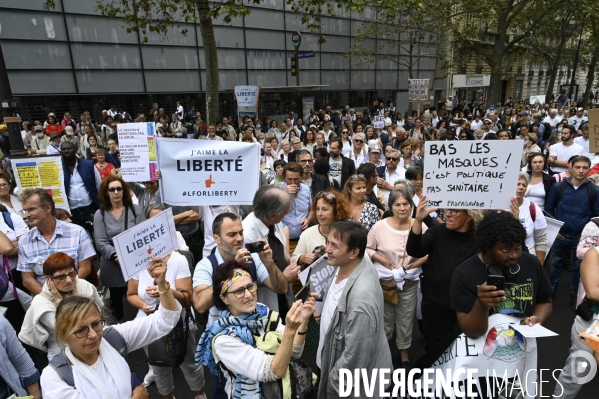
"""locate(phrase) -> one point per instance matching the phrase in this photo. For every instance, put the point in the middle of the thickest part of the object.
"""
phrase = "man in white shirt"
(553, 119)
(228, 234)
(359, 154)
(560, 153)
(180, 111)
(578, 119)
(112, 111)
(584, 142)
(389, 174)
(476, 123)
(271, 204)
(351, 323)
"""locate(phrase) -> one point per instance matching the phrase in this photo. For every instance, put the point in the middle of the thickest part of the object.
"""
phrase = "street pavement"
(552, 352)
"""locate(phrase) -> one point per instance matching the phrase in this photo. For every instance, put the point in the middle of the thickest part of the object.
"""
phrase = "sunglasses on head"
(327, 195)
(355, 177)
(113, 189)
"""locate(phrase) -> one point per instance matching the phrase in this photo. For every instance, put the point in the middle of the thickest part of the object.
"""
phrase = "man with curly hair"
(527, 292)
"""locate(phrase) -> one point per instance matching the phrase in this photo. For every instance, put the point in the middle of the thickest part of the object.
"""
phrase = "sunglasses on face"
(113, 189)
(358, 141)
(392, 159)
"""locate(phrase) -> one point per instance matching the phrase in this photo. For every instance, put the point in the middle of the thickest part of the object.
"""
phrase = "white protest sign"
(418, 89)
(138, 156)
(553, 228)
(502, 357)
(156, 237)
(378, 122)
(208, 172)
(472, 174)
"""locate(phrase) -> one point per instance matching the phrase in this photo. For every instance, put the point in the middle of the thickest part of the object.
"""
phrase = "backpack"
(64, 369)
(6, 276)
(590, 188)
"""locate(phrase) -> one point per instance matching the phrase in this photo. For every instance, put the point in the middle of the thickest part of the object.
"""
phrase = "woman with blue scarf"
(228, 346)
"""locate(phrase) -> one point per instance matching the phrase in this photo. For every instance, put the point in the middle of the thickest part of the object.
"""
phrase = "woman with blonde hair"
(362, 211)
(98, 369)
(447, 245)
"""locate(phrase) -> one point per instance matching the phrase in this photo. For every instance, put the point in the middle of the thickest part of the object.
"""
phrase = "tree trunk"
(211, 59)
(496, 59)
(556, 63)
(590, 79)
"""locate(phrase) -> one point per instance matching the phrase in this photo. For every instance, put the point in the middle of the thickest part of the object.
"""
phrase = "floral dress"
(370, 215)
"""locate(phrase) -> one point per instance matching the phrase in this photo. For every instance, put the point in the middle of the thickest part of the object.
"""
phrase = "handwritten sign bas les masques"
(471, 174)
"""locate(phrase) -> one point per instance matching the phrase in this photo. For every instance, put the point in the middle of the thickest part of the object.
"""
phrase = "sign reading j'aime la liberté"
(156, 237)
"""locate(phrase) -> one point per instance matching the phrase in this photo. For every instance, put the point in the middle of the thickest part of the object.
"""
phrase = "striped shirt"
(68, 238)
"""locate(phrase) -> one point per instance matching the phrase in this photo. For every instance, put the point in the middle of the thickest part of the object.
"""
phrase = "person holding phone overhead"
(476, 285)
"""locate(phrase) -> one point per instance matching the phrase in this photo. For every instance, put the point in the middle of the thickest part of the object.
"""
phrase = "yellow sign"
(29, 177)
(49, 174)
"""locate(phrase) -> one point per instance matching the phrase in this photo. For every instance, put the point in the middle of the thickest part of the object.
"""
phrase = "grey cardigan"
(356, 336)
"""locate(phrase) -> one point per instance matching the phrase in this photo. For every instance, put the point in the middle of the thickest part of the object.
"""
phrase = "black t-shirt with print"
(523, 291)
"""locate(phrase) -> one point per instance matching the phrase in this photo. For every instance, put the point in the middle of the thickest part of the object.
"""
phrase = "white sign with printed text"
(471, 174)
(156, 237)
(208, 172)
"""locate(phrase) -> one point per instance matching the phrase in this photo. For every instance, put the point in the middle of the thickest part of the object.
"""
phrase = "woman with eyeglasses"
(98, 369)
(362, 211)
(387, 248)
(447, 245)
(117, 213)
(229, 346)
(10, 201)
(61, 282)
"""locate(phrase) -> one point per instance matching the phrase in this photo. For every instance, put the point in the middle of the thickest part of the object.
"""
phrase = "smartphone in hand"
(497, 281)
(303, 293)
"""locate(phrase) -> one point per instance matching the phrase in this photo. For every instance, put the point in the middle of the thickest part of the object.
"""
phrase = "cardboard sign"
(138, 156)
(418, 89)
(208, 172)
(594, 131)
(156, 237)
(42, 172)
(472, 174)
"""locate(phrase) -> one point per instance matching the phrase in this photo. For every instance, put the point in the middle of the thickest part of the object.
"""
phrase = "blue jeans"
(560, 249)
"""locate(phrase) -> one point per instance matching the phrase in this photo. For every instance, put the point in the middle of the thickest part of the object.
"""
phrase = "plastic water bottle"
(151, 302)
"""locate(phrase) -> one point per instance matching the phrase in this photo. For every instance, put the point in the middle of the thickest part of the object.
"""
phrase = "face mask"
(258, 126)
(40, 135)
(559, 129)
(92, 143)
